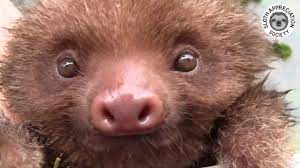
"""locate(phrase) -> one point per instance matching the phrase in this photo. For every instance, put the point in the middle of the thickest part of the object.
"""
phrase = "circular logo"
(278, 21)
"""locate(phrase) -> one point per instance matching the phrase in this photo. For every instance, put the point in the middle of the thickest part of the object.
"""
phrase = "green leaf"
(283, 50)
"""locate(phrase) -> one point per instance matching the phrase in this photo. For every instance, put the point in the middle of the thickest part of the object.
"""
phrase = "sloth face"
(94, 77)
(279, 21)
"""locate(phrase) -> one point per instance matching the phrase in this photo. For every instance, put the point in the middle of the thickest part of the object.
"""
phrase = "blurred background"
(286, 74)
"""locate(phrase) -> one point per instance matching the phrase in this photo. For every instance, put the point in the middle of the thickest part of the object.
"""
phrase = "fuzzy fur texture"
(18, 147)
(216, 110)
(260, 131)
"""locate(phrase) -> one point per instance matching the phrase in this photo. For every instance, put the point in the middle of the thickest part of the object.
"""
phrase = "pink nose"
(127, 114)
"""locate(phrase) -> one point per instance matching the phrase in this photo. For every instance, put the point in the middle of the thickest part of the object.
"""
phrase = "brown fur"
(18, 148)
(108, 35)
(260, 131)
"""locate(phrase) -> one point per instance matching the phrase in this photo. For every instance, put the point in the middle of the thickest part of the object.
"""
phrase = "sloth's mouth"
(158, 138)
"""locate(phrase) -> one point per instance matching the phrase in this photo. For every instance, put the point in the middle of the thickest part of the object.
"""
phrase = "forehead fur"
(152, 24)
(117, 25)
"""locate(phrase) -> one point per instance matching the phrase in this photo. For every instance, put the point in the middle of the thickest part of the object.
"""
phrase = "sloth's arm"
(256, 131)
(17, 147)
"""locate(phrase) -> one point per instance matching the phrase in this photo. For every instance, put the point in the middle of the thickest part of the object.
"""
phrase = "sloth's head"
(279, 21)
(126, 82)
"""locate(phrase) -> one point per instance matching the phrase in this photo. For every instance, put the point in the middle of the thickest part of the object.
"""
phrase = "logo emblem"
(278, 21)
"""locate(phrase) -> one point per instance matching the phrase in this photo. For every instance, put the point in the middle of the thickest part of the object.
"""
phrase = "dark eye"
(186, 62)
(67, 67)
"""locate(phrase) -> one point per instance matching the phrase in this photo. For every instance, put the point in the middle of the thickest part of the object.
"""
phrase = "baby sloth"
(145, 84)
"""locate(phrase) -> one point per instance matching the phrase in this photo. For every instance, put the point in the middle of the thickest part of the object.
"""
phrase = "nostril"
(127, 115)
(143, 116)
(107, 115)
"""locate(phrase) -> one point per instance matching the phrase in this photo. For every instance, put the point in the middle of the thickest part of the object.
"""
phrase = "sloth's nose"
(278, 23)
(127, 113)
